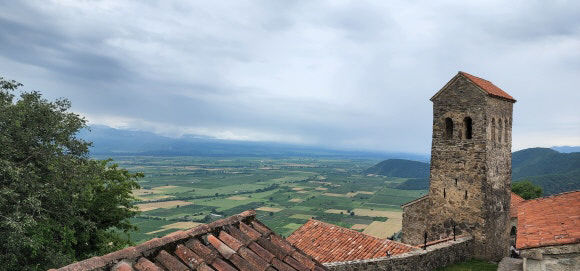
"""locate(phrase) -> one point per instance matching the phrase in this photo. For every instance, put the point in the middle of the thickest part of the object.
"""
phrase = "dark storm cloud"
(36, 41)
(345, 74)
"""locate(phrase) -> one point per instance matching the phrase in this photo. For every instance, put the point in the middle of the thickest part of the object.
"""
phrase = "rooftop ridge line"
(148, 247)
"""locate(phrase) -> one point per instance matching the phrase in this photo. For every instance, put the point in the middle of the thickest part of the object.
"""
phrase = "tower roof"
(486, 86)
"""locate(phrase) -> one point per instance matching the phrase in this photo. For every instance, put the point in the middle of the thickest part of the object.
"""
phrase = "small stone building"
(470, 169)
(548, 234)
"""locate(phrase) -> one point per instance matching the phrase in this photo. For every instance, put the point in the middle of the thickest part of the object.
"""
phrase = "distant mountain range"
(566, 149)
(554, 171)
(109, 141)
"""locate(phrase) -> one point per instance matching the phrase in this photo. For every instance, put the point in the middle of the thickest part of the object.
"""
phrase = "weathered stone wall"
(420, 260)
(415, 218)
(470, 172)
(497, 187)
(561, 258)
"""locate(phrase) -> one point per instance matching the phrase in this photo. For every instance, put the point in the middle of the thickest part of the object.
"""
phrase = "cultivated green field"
(285, 193)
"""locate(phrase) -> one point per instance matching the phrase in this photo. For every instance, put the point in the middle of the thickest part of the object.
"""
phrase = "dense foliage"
(555, 172)
(56, 204)
(527, 190)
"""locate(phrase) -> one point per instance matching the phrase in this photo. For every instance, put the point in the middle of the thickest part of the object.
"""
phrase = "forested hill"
(555, 172)
(400, 168)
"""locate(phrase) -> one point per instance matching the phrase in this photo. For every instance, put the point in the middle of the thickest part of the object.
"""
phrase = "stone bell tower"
(470, 168)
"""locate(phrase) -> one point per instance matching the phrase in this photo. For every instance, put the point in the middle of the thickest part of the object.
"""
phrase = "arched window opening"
(444, 193)
(514, 231)
(492, 129)
(505, 137)
(500, 130)
(468, 127)
(465, 197)
(455, 182)
(448, 128)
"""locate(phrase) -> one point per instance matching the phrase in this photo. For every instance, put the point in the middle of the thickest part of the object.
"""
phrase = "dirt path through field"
(162, 204)
(177, 225)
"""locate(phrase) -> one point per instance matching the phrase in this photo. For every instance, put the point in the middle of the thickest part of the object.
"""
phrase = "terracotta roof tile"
(242, 264)
(187, 256)
(223, 249)
(515, 202)
(265, 254)
(280, 265)
(549, 221)
(268, 245)
(146, 265)
(221, 265)
(170, 262)
(488, 87)
(122, 266)
(230, 241)
(295, 263)
(206, 253)
(330, 243)
(239, 235)
(204, 267)
(249, 231)
(242, 243)
(254, 259)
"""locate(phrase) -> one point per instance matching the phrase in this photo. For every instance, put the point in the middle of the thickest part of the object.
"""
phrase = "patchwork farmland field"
(179, 192)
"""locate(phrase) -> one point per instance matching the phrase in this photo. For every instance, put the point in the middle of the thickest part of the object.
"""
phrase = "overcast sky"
(342, 74)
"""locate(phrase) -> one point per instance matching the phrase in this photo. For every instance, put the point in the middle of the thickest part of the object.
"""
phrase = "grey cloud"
(43, 46)
(340, 74)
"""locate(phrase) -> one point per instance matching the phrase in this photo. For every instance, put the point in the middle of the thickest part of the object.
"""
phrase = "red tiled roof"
(239, 242)
(330, 243)
(488, 87)
(516, 201)
(549, 221)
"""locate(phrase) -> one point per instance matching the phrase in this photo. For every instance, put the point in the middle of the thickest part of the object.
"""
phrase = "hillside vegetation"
(555, 172)
(401, 168)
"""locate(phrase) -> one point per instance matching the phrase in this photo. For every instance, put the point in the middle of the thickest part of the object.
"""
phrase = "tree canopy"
(527, 190)
(57, 205)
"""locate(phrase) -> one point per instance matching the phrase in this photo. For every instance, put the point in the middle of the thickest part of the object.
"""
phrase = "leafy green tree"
(56, 204)
(527, 189)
